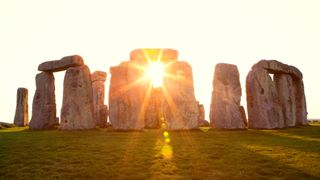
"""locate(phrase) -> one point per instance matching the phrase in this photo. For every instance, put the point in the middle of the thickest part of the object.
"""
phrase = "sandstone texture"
(61, 65)
(225, 110)
(276, 102)
(21, 117)
(77, 107)
(98, 86)
(180, 106)
(44, 103)
(135, 104)
(154, 112)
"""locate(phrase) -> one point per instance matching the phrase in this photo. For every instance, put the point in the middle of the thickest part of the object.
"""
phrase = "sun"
(155, 73)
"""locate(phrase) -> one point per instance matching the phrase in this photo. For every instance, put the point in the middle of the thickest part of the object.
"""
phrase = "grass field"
(105, 154)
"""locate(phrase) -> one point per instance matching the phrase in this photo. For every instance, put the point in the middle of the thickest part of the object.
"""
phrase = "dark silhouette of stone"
(98, 86)
(277, 103)
(44, 103)
(225, 110)
(201, 112)
(77, 106)
(21, 117)
(61, 65)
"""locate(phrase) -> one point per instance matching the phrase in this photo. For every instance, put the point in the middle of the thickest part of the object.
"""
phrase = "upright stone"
(279, 103)
(225, 110)
(98, 86)
(263, 103)
(126, 97)
(301, 105)
(135, 103)
(44, 103)
(285, 89)
(154, 109)
(77, 106)
(180, 108)
(21, 117)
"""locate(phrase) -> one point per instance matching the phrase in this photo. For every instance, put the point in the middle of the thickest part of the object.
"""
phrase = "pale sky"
(205, 32)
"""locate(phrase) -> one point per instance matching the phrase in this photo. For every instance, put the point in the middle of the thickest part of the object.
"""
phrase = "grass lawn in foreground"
(106, 154)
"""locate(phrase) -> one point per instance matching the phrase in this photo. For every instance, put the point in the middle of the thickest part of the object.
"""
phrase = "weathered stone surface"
(44, 103)
(264, 108)
(154, 112)
(201, 112)
(98, 87)
(61, 65)
(77, 106)
(98, 76)
(225, 110)
(276, 67)
(275, 104)
(180, 108)
(142, 55)
(301, 105)
(134, 104)
(21, 117)
(285, 89)
(126, 95)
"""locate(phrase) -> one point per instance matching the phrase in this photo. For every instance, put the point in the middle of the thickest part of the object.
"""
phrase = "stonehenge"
(275, 103)
(98, 86)
(135, 104)
(77, 107)
(225, 109)
(201, 117)
(21, 117)
(274, 92)
(44, 103)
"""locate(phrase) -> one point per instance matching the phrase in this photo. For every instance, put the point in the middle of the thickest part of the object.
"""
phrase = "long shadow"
(225, 158)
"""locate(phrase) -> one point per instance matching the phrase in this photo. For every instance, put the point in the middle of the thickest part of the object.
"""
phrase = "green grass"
(105, 154)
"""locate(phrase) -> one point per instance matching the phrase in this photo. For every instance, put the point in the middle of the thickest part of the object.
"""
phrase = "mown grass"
(105, 154)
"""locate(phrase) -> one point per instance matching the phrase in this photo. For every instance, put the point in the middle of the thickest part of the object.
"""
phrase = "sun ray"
(125, 88)
(145, 102)
(172, 105)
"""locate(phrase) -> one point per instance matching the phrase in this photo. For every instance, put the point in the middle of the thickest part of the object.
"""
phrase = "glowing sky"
(205, 32)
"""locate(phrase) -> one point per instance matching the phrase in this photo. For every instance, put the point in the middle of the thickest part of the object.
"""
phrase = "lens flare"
(166, 151)
(166, 134)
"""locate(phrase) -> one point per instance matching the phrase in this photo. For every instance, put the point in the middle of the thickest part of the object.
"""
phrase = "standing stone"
(279, 103)
(201, 118)
(21, 117)
(285, 89)
(126, 97)
(98, 80)
(264, 108)
(225, 110)
(154, 112)
(77, 106)
(44, 103)
(301, 105)
(134, 103)
(180, 108)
